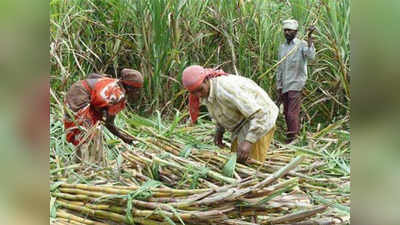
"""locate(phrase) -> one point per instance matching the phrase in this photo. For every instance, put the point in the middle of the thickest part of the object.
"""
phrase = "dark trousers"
(291, 104)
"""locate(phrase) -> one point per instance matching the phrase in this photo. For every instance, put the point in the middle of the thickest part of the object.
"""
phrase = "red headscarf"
(192, 78)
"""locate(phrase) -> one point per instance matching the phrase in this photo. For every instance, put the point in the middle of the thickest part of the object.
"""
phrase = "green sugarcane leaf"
(129, 215)
(186, 151)
(53, 207)
(120, 159)
(331, 203)
(176, 214)
(54, 186)
(274, 194)
(155, 166)
(230, 166)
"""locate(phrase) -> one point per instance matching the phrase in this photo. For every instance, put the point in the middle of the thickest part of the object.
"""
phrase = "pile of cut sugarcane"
(166, 181)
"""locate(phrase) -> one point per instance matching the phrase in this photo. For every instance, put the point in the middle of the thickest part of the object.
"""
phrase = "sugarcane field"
(199, 112)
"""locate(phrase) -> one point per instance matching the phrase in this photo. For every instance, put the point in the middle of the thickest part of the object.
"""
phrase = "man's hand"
(243, 151)
(280, 98)
(310, 30)
(219, 134)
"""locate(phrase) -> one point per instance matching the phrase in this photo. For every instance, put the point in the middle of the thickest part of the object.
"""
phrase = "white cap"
(290, 24)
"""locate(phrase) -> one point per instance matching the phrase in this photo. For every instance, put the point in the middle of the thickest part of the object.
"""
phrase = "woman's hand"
(243, 151)
(127, 139)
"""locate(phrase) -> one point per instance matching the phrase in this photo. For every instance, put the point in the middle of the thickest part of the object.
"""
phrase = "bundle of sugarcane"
(181, 180)
(148, 204)
(211, 163)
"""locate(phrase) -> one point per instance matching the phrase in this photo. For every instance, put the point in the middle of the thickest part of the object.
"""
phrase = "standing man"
(292, 74)
(236, 104)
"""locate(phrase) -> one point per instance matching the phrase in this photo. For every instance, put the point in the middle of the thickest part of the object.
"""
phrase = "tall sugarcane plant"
(162, 37)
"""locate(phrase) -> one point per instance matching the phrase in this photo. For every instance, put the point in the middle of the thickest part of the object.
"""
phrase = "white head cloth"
(290, 24)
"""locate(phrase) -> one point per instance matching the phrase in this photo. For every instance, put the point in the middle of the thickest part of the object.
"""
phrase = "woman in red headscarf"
(236, 104)
(99, 98)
